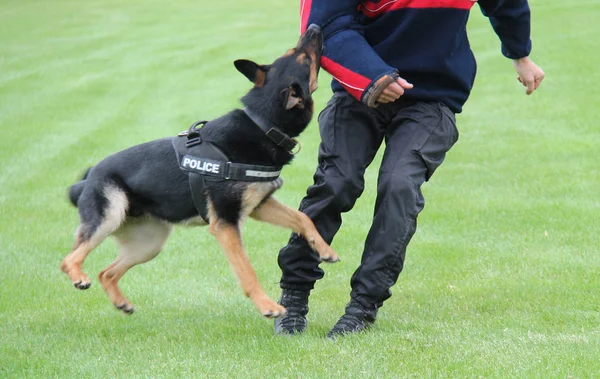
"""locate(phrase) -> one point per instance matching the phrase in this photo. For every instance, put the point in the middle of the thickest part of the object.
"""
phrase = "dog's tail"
(76, 189)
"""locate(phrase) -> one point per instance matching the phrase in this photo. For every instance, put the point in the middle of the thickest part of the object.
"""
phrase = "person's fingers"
(403, 83)
(393, 91)
(384, 99)
(538, 81)
(396, 89)
(530, 86)
(529, 83)
(390, 93)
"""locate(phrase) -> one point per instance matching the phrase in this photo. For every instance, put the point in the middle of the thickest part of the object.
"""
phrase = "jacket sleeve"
(511, 20)
(347, 56)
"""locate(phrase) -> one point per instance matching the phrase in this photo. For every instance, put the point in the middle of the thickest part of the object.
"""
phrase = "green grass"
(502, 278)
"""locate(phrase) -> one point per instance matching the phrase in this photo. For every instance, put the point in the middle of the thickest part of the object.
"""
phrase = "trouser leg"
(351, 134)
(417, 140)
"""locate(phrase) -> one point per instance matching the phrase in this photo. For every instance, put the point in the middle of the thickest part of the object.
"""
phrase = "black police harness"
(203, 161)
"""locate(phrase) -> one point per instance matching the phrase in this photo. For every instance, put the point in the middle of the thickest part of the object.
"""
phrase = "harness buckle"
(193, 141)
(282, 140)
(227, 170)
(298, 145)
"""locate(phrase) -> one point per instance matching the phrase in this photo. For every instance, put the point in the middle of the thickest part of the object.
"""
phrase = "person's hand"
(529, 74)
(394, 90)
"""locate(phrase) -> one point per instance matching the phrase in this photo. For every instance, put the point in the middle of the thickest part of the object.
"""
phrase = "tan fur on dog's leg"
(140, 240)
(72, 265)
(229, 238)
(114, 214)
(277, 213)
(109, 279)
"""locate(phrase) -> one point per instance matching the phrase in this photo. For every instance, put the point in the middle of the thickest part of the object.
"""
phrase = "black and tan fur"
(138, 194)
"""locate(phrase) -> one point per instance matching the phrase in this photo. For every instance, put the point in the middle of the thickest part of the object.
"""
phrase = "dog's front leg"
(277, 213)
(229, 237)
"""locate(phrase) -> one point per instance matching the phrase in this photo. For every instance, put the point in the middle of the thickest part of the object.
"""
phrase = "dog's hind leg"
(140, 240)
(229, 238)
(102, 210)
(277, 213)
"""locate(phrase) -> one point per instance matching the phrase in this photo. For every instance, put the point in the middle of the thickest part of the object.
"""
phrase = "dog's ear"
(254, 72)
(292, 97)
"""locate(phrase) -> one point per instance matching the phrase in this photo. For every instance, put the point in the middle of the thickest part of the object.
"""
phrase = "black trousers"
(417, 136)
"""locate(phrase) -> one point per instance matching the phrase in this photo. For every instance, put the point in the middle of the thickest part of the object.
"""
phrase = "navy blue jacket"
(424, 41)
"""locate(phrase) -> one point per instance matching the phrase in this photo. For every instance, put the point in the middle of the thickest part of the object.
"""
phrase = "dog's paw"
(279, 312)
(326, 253)
(82, 284)
(330, 258)
(80, 280)
(270, 309)
(125, 308)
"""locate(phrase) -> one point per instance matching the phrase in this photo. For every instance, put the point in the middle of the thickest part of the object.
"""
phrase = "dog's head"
(283, 89)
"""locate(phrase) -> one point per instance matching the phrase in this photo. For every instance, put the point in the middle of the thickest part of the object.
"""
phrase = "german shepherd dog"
(137, 194)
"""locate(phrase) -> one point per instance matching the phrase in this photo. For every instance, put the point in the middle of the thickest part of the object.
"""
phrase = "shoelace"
(294, 299)
(349, 323)
(293, 321)
(296, 305)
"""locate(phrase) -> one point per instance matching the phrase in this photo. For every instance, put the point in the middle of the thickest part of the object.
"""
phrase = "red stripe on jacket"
(304, 14)
(372, 9)
(354, 83)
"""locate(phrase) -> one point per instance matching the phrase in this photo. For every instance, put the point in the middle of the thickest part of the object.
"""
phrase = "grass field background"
(502, 278)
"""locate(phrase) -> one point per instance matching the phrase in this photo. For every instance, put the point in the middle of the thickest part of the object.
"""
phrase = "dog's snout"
(313, 29)
(314, 35)
(311, 39)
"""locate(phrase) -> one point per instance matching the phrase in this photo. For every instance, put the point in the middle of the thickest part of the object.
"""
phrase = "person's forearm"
(347, 56)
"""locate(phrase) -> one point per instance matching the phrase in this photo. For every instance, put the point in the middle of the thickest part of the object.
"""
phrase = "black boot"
(296, 303)
(356, 319)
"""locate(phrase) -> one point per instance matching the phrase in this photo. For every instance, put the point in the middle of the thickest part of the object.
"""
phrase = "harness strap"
(198, 189)
(204, 161)
(280, 138)
(228, 170)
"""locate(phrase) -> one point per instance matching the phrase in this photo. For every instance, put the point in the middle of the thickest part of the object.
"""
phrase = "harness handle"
(193, 134)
